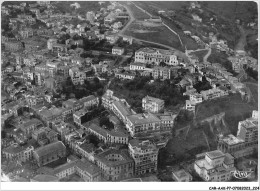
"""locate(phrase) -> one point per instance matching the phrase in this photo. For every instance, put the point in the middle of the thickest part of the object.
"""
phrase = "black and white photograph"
(148, 93)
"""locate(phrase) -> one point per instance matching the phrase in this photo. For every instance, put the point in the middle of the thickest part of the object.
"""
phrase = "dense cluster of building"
(64, 135)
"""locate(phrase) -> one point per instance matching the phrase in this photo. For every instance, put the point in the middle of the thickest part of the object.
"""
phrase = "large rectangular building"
(49, 153)
(145, 155)
(142, 123)
(88, 171)
(115, 164)
(150, 55)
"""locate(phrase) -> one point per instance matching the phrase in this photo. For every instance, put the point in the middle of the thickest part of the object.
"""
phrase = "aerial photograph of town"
(129, 91)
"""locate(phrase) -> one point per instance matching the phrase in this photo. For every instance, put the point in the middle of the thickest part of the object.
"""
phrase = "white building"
(150, 55)
(213, 93)
(118, 50)
(77, 76)
(151, 104)
(215, 167)
(190, 105)
(137, 66)
(196, 97)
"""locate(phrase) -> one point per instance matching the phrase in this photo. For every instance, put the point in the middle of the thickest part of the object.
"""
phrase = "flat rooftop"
(232, 140)
(215, 154)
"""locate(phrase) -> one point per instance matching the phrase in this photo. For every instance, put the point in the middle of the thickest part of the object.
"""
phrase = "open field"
(137, 13)
(158, 34)
(151, 8)
(233, 9)
(167, 5)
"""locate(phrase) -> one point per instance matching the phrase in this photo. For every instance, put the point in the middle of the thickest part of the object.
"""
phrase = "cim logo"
(241, 174)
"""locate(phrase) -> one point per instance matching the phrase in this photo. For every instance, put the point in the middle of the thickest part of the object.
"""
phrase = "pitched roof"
(88, 98)
(98, 129)
(52, 147)
(125, 157)
(81, 164)
(122, 108)
(87, 166)
(13, 149)
(87, 147)
(153, 99)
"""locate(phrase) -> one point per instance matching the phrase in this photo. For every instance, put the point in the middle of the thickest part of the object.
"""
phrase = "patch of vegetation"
(89, 87)
(235, 110)
(252, 45)
(135, 90)
(252, 73)
(105, 121)
(202, 86)
(221, 58)
(93, 139)
(200, 54)
(158, 35)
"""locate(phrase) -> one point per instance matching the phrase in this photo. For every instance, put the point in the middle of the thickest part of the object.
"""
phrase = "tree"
(3, 134)
(252, 73)
(105, 121)
(93, 139)
(64, 29)
(96, 80)
(163, 64)
(76, 37)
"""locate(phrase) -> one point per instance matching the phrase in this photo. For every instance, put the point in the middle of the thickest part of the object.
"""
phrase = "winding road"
(205, 58)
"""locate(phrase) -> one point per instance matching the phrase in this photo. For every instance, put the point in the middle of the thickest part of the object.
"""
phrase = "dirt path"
(173, 32)
(142, 9)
